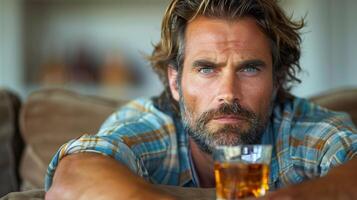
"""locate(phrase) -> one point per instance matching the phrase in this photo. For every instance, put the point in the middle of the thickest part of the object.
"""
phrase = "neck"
(203, 164)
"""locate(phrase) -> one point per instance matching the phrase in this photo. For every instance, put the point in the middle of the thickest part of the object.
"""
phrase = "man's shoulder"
(309, 137)
(138, 108)
(141, 108)
(138, 116)
(308, 129)
(310, 118)
(306, 126)
(304, 115)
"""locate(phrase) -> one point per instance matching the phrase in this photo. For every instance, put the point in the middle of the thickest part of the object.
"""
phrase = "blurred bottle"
(53, 72)
(117, 72)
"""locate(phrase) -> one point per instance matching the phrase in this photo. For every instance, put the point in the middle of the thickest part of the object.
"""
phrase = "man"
(227, 66)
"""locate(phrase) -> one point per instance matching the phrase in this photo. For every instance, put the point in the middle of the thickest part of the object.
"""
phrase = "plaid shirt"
(307, 142)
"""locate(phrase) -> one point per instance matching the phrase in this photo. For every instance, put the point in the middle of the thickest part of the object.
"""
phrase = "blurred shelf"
(114, 92)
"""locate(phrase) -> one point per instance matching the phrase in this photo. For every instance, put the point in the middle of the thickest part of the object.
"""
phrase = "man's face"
(226, 88)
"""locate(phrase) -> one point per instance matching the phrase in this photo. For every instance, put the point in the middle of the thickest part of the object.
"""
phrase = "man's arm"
(85, 176)
(93, 176)
(339, 184)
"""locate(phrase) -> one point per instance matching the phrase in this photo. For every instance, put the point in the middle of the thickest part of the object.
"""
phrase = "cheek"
(266, 98)
(196, 96)
(260, 96)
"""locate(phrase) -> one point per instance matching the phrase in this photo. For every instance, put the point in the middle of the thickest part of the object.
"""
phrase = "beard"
(207, 138)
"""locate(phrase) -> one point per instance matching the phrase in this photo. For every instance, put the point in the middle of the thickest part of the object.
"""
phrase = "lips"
(227, 119)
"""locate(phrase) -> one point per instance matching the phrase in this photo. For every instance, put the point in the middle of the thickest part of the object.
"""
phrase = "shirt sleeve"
(96, 144)
(125, 136)
(340, 147)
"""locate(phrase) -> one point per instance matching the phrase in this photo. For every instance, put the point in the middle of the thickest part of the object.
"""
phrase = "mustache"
(233, 109)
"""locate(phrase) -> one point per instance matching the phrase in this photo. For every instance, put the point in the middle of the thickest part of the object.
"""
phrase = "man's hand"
(86, 176)
(339, 184)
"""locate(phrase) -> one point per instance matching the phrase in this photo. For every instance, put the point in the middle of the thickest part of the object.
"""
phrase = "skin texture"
(86, 176)
(231, 46)
(220, 67)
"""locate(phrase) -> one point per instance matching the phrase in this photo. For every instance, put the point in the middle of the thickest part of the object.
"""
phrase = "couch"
(11, 143)
(51, 117)
(48, 119)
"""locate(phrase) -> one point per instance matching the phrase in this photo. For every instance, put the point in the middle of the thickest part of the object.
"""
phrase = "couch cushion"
(50, 118)
(11, 144)
(344, 100)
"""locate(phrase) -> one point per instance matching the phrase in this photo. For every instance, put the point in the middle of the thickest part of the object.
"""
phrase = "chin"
(227, 141)
(234, 129)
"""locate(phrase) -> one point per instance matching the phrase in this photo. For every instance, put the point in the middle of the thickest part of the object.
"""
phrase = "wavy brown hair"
(281, 30)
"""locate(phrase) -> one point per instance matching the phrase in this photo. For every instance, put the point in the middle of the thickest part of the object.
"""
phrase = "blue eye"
(206, 70)
(251, 69)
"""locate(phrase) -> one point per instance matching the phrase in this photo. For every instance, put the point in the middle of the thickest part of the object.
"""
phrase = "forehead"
(210, 34)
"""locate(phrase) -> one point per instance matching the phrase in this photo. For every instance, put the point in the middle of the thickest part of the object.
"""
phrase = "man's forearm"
(184, 193)
(339, 184)
(94, 176)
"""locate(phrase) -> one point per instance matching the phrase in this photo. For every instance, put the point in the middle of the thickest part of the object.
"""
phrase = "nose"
(228, 89)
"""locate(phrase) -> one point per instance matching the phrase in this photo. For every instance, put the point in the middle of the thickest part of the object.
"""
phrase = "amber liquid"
(238, 181)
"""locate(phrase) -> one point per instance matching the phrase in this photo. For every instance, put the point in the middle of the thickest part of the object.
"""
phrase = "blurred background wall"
(97, 46)
(329, 44)
(11, 45)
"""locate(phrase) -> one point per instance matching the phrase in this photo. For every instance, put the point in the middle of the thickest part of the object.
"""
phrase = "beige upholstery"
(50, 118)
(340, 100)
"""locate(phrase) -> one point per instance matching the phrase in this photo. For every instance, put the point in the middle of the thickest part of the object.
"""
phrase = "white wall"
(329, 44)
(129, 26)
(11, 65)
(328, 51)
(349, 10)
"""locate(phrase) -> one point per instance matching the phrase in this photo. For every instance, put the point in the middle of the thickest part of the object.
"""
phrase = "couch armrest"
(52, 117)
(344, 100)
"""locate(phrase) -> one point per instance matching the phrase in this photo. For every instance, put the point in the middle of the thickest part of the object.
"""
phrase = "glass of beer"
(241, 171)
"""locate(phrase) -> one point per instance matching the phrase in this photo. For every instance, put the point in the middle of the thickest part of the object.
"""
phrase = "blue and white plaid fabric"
(307, 142)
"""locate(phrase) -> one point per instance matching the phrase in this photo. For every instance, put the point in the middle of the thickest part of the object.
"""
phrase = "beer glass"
(241, 171)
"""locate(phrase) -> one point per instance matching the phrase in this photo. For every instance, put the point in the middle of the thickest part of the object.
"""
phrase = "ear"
(172, 76)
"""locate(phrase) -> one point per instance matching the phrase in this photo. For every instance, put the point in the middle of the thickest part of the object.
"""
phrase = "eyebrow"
(255, 62)
(203, 62)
